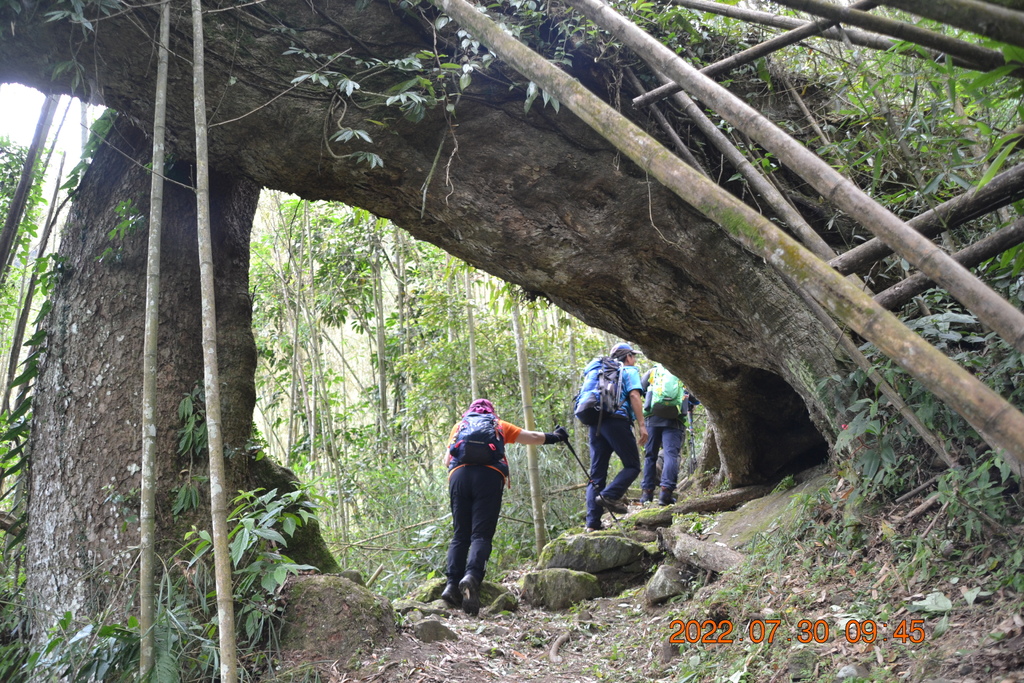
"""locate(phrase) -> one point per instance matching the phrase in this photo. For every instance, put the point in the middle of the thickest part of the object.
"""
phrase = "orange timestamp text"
(711, 632)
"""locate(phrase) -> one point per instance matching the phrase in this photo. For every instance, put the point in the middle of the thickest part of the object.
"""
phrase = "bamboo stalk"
(984, 57)
(211, 372)
(995, 419)
(798, 31)
(979, 252)
(817, 245)
(796, 222)
(663, 121)
(984, 18)
(19, 201)
(1003, 190)
(993, 310)
(150, 364)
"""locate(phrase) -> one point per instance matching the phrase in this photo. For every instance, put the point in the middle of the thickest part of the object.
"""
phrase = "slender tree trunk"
(540, 533)
(20, 200)
(147, 512)
(21, 325)
(382, 375)
(474, 388)
(211, 373)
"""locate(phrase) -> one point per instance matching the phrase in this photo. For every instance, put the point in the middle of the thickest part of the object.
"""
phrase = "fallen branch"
(1003, 190)
(920, 509)
(719, 502)
(553, 655)
(701, 554)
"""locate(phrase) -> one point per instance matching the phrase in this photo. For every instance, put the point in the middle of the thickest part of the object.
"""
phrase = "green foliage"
(131, 220)
(76, 11)
(185, 625)
(192, 415)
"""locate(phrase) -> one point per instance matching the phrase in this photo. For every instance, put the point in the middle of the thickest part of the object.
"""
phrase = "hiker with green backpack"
(665, 406)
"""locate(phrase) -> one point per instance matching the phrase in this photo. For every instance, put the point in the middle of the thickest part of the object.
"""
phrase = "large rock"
(592, 553)
(331, 617)
(763, 515)
(668, 582)
(559, 588)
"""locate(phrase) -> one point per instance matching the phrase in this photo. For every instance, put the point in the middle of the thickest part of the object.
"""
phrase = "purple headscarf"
(481, 405)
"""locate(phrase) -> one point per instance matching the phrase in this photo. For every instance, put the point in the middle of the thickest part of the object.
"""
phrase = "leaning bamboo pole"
(1004, 24)
(988, 247)
(819, 248)
(999, 423)
(985, 57)
(1003, 190)
(798, 30)
(989, 307)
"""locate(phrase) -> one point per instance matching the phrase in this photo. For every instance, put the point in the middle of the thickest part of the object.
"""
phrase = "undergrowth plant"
(186, 620)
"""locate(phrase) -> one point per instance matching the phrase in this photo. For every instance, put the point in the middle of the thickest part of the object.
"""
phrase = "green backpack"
(664, 395)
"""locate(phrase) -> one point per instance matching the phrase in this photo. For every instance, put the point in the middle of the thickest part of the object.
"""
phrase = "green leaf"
(994, 167)
(933, 603)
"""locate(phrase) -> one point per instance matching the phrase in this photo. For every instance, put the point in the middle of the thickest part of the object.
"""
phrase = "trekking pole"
(692, 465)
(587, 473)
(582, 466)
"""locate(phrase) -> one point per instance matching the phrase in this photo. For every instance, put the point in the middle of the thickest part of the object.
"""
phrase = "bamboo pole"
(798, 30)
(211, 371)
(816, 245)
(984, 18)
(540, 533)
(982, 250)
(150, 363)
(992, 309)
(1003, 190)
(987, 58)
(19, 201)
(995, 419)
(14, 359)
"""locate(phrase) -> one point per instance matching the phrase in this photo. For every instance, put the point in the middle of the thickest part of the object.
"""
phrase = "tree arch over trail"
(535, 197)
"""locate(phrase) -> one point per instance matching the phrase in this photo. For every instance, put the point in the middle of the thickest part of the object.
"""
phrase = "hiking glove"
(556, 436)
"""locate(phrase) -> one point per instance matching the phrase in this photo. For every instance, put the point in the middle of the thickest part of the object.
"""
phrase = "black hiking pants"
(475, 494)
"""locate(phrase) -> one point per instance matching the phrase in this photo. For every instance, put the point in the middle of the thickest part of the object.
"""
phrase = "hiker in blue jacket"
(475, 485)
(614, 434)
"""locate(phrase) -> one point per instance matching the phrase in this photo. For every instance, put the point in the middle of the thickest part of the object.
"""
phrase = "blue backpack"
(601, 394)
(478, 441)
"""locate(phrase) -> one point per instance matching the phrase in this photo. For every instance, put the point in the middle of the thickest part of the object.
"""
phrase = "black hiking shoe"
(470, 589)
(646, 496)
(665, 497)
(451, 595)
(617, 506)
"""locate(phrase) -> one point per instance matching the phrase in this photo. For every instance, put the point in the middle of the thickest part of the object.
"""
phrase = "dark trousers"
(671, 439)
(611, 436)
(475, 495)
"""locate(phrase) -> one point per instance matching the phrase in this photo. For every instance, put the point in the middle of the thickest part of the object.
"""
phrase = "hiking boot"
(646, 496)
(612, 504)
(451, 595)
(470, 589)
(665, 497)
